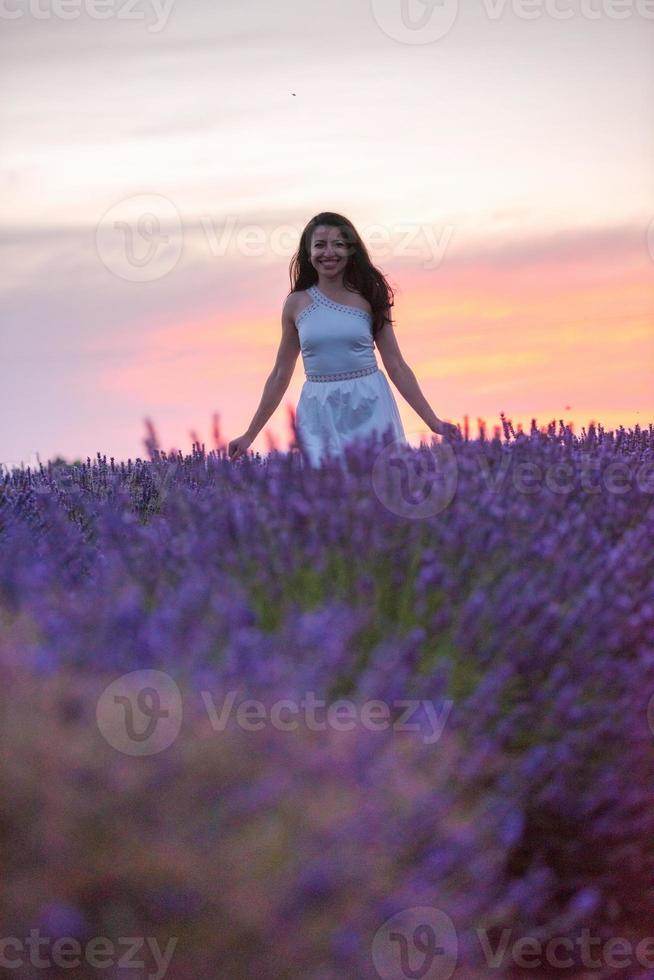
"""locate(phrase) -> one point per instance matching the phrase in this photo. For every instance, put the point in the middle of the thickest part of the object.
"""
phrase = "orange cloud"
(527, 328)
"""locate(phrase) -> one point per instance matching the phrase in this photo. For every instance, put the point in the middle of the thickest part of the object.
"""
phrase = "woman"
(338, 308)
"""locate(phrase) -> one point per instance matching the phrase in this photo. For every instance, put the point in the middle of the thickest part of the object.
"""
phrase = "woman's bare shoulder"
(297, 301)
(296, 298)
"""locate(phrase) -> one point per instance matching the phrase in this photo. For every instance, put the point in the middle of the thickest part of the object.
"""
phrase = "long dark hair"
(360, 274)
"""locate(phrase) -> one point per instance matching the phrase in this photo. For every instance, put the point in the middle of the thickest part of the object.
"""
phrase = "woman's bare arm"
(280, 377)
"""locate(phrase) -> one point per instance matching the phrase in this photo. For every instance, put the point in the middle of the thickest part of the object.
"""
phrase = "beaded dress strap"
(319, 297)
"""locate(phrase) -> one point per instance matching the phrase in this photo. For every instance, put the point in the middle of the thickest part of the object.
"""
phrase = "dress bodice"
(334, 338)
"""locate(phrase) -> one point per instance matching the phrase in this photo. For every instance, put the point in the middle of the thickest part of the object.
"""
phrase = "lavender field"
(267, 721)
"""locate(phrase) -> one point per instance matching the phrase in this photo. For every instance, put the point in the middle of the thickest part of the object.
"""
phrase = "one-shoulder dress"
(345, 395)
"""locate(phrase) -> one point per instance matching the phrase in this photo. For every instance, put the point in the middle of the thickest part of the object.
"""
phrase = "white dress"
(345, 395)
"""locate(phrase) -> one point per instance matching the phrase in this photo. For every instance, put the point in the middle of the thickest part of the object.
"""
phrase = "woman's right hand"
(239, 446)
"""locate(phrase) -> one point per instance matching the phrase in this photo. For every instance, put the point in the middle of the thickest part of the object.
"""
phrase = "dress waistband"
(342, 376)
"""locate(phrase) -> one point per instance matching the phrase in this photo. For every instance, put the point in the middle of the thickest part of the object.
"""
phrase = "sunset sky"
(158, 167)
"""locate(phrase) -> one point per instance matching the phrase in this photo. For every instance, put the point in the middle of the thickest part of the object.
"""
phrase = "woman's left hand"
(445, 429)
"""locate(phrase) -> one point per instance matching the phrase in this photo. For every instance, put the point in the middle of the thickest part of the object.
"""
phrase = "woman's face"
(329, 251)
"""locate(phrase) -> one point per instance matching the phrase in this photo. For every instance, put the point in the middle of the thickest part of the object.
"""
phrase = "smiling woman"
(338, 308)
